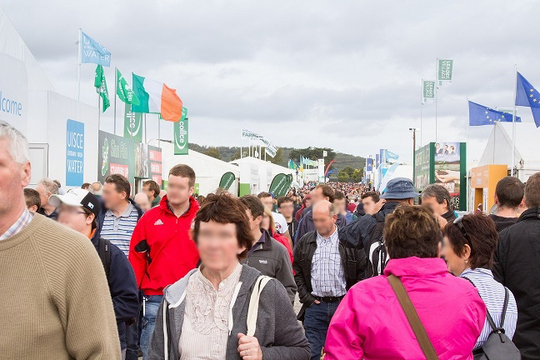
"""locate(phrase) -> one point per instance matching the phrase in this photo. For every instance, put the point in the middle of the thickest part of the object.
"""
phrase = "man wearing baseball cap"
(78, 210)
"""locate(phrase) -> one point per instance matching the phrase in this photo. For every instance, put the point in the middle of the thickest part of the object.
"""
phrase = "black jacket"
(449, 216)
(123, 288)
(353, 261)
(517, 266)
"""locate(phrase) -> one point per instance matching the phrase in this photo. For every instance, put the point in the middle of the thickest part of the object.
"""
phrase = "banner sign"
(180, 136)
(448, 169)
(227, 180)
(445, 69)
(119, 155)
(133, 124)
(270, 149)
(280, 185)
(369, 165)
(94, 52)
(74, 153)
(428, 91)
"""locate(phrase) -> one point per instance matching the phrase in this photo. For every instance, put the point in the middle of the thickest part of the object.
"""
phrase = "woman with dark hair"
(371, 323)
(469, 244)
(213, 312)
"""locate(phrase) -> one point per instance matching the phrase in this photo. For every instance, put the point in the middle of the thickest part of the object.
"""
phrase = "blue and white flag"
(482, 115)
(527, 95)
(94, 52)
(390, 155)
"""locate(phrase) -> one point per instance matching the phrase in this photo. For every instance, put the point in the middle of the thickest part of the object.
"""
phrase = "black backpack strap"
(105, 255)
(489, 318)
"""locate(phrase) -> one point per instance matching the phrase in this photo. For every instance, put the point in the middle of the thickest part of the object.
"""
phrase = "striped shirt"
(327, 274)
(18, 226)
(118, 230)
(492, 292)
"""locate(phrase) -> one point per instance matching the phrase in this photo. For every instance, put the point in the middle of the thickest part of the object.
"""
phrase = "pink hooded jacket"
(370, 323)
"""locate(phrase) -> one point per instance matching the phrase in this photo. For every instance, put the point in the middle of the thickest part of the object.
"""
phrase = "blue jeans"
(316, 322)
(151, 306)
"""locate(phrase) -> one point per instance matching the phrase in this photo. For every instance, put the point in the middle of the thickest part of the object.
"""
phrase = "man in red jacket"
(161, 250)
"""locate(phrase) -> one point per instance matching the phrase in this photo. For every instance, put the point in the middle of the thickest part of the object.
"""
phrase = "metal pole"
(79, 56)
(514, 124)
(115, 91)
(436, 96)
(98, 111)
(145, 132)
(158, 131)
(421, 114)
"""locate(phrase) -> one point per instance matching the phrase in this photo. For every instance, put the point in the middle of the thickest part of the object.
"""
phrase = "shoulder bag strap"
(488, 315)
(414, 320)
(253, 309)
(505, 307)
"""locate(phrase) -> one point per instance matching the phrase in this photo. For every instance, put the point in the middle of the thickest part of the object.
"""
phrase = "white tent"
(498, 150)
(257, 175)
(208, 170)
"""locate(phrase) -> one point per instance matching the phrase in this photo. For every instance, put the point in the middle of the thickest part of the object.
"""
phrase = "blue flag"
(528, 96)
(482, 115)
(390, 155)
(94, 52)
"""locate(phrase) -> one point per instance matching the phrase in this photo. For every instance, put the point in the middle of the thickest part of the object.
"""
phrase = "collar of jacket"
(532, 213)
(267, 243)
(193, 206)
(386, 209)
(415, 266)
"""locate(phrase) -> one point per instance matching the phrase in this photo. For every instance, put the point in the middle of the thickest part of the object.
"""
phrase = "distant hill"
(230, 153)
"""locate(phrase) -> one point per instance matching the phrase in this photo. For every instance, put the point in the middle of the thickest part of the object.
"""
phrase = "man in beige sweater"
(55, 298)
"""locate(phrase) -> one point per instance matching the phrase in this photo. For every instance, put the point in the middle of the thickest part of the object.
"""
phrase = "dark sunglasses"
(459, 223)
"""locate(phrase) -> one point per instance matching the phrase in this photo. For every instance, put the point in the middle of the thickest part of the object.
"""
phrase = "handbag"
(498, 345)
(253, 309)
(412, 316)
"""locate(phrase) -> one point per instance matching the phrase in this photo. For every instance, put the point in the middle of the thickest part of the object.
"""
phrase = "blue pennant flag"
(94, 52)
(528, 96)
(482, 115)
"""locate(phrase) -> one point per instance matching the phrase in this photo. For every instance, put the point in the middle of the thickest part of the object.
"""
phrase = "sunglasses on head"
(459, 223)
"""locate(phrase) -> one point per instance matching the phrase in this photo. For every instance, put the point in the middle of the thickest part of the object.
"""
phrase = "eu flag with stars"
(482, 115)
(528, 96)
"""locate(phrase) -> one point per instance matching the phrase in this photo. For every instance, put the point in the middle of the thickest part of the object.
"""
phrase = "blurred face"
(112, 198)
(340, 205)
(44, 194)
(75, 218)
(437, 208)
(317, 195)
(268, 202)
(218, 246)
(143, 201)
(178, 190)
(369, 205)
(456, 263)
(308, 203)
(287, 209)
(265, 223)
(255, 223)
(14, 177)
(324, 223)
(148, 192)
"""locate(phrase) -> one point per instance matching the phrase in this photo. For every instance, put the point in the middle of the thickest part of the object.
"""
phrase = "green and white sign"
(132, 124)
(280, 185)
(227, 180)
(445, 69)
(180, 136)
(428, 91)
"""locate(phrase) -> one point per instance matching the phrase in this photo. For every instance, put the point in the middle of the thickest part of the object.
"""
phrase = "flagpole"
(79, 56)
(145, 133)
(436, 100)
(421, 112)
(158, 131)
(514, 124)
(98, 110)
(115, 90)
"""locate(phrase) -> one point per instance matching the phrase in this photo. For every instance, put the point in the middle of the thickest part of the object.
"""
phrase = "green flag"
(445, 69)
(132, 124)
(428, 91)
(227, 180)
(180, 136)
(123, 90)
(100, 83)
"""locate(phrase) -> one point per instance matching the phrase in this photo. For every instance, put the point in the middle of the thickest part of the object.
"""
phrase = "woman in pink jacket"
(370, 322)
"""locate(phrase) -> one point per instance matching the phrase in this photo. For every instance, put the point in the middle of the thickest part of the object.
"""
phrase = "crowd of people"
(100, 273)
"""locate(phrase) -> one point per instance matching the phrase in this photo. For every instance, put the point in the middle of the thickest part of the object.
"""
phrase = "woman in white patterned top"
(469, 245)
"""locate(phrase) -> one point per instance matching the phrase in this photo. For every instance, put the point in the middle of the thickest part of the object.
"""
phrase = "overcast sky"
(341, 74)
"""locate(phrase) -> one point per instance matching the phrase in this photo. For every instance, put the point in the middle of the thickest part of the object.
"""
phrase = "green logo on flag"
(444, 72)
(132, 124)
(123, 90)
(180, 136)
(101, 87)
(227, 180)
(105, 157)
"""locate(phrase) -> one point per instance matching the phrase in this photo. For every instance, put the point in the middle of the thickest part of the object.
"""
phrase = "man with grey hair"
(63, 308)
(325, 269)
(437, 198)
(46, 188)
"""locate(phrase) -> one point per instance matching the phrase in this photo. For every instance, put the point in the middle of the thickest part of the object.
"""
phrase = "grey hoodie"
(279, 334)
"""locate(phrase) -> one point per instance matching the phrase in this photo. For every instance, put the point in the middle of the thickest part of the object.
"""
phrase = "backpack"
(498, 346)
(377, 256)
(104, 251)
